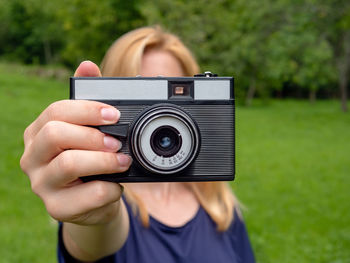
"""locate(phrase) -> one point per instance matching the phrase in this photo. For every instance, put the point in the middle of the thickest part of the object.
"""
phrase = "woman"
(153, 222)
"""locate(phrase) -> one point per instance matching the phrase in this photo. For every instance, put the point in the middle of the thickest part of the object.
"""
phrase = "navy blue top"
(196, 241)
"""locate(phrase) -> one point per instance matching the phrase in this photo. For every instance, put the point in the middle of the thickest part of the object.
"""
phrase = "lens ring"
(147, 122)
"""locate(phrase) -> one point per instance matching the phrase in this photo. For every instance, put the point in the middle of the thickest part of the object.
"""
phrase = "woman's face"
(160, 63)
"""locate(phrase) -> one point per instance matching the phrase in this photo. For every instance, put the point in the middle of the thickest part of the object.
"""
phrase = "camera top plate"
(152, 88)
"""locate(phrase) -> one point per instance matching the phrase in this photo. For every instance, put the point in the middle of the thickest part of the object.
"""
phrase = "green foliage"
(90, 27)
(266, 45)
(38, 31)
(29, 32)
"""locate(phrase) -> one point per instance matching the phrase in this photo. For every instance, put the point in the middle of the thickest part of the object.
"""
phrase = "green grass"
(26, 232)
(293, 169)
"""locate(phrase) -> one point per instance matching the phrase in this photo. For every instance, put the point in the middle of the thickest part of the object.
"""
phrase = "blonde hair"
(123, 59)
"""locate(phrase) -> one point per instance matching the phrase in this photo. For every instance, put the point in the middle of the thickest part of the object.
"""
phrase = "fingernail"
(85, 61)
(110, 114)
(112, 143)
(124, 160)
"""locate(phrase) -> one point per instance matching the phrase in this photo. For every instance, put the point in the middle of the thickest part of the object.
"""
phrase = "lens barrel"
(164, 139)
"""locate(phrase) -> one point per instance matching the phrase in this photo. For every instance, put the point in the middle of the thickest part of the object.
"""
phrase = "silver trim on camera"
(211, 90)
(118, 89)
(146, 89)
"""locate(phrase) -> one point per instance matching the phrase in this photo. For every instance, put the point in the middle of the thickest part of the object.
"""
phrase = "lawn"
(293, 176)
(293, 168)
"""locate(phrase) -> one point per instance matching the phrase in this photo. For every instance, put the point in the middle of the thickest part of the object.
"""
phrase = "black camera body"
(176, 129)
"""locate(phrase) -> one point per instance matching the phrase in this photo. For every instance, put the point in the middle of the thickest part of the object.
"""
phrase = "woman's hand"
(59, 149)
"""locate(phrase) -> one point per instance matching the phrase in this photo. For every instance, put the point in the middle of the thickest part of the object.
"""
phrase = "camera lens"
(166, 141)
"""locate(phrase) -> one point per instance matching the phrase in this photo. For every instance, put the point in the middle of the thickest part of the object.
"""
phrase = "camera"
(174, 128)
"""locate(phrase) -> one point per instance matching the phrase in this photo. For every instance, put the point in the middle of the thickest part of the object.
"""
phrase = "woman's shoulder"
(239, 237)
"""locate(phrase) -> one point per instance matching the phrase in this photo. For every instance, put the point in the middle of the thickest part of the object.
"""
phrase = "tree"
(334, 24)
(29, 33)
(90, 27)
(265, 44)
(228, 37)
(299, 54)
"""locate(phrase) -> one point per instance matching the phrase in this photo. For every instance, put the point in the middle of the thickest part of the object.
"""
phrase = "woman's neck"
(173, 203)
(160, 192)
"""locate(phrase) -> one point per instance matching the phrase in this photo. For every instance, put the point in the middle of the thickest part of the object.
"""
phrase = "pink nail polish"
(112, 143)
(124, 160)
(110, 114)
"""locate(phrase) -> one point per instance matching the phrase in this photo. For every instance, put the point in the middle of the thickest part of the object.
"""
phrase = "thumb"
(87, 69)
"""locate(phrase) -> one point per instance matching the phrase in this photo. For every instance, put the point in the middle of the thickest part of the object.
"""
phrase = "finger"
(87, 69)
(81, 112)
(68, 166)
(57, 136)
(73, 202)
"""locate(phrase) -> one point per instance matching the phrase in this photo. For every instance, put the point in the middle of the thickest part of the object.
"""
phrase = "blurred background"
(291, 63)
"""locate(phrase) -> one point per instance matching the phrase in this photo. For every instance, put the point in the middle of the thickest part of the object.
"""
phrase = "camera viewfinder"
(180, 90)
